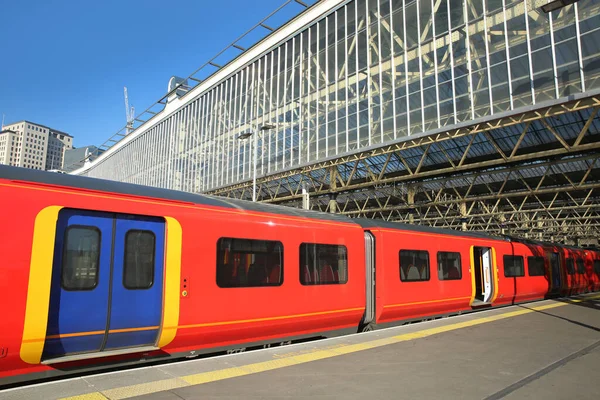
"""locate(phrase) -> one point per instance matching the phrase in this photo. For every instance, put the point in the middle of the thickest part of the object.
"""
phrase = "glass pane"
(449, 267)
(570, 266)
(414, 265)
(513, 266)
(322, 264)
(138, 271)
(580, 266)
(81, 257)
(249, 263)
(536, 266)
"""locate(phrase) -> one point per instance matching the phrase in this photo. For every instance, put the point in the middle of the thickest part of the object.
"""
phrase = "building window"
(535, 266)
(81, 257)
(513, 266)
(449, 266)
(249, 263)
(323, 264)
(414, 265)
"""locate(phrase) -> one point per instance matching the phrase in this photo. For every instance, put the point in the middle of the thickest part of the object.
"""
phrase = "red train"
(98, 274)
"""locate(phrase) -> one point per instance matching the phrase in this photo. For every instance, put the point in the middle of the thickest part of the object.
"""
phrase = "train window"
(323, 264)
(414, 265)
(138, 266)
(81, 257)
(513, 266)
(249, 263)
(570, 267)
(580, 266)
(597, 267)
(449, 267)
(536, 266)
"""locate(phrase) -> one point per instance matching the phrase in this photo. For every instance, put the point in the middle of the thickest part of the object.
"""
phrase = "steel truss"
(534, 174)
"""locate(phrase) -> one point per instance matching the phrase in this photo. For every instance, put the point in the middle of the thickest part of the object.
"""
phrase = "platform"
(548, 349)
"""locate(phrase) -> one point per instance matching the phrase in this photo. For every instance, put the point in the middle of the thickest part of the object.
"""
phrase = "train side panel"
(408, 297)
(593, 269)
(18, 217)
(207, 315)
(213, 316)
(576, 280)
(522, 273)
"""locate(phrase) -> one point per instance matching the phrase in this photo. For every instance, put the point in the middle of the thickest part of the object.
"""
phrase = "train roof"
(88, 183)
(75, 181)
(550, 244)
(378, 223)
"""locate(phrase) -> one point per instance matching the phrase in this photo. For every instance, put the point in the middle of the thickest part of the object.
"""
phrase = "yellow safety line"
(296, 359)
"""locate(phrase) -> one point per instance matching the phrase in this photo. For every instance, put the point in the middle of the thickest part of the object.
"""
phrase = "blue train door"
(107, 284)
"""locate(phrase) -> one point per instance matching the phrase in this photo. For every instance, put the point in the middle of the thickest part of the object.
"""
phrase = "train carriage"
(593, 269)
(101, 274)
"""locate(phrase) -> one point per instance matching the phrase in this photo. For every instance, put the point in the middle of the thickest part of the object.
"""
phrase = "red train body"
(234, 274)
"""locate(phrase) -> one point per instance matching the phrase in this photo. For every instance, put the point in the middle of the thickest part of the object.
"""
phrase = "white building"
(30, 145)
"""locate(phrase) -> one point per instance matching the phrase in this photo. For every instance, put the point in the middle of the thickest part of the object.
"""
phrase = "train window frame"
(441, 278)
(420, 278)
(529, 262)
(514, 257)
(597, 267)
(302, 251)
(251, 241)
(125, 259)
(579, 263)
(569, 262)
(65, 244)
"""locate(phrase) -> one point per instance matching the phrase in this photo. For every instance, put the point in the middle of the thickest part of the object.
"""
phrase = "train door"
(369, 317)
(107, 285)
(555, 271)
(484, 287)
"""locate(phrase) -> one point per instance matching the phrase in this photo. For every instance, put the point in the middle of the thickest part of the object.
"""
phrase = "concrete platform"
(548, 349)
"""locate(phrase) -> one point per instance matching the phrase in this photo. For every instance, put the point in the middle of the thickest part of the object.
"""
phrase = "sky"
(64, 63)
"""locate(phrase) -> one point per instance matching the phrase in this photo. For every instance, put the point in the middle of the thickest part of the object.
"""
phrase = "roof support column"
(463, 215)
(333, 187)
(305, 197)
(410, 198)
(502, 220)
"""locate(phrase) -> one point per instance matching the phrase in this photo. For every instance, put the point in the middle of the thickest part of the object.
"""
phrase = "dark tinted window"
(580, 266)
(81, 256)
(249, 263)
(570, 266)
(322, 264)
(597, 267)
(138, 270)
(414, 265)
(449, 267)
(513, 266)
(536, 266)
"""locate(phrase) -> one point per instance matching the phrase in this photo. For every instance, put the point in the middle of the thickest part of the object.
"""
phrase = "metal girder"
(521, 152)
(510, 174)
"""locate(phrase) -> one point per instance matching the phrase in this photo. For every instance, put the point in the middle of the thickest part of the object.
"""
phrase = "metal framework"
(535, 174)
(442, 112)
